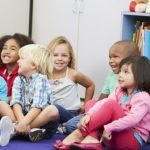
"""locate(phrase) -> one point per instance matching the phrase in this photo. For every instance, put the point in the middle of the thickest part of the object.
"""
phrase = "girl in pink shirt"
(123, 119)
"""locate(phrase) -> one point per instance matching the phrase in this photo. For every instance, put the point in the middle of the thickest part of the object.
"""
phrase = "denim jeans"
(71, 124)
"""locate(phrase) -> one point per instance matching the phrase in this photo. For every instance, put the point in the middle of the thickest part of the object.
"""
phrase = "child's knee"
(52, 112)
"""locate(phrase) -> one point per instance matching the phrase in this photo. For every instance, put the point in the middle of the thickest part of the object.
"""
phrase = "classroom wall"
(14, 16)
(91, 32)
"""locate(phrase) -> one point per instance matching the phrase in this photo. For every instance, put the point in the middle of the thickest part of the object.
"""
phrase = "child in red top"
(10, 45)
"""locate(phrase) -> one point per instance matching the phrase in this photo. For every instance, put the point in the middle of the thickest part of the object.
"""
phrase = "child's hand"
(22, 128)
(82, 111)
(106, 135)
(83, 122)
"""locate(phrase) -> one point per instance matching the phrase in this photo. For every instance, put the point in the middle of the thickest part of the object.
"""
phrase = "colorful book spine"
(146, 49)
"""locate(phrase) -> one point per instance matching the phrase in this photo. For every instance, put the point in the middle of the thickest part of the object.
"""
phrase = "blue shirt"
(32, 92)
(3, 90)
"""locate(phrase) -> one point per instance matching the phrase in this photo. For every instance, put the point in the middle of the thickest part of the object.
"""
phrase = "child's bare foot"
(75, 136)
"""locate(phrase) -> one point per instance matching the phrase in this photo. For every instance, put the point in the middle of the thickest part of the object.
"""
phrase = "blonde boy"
(31, 92)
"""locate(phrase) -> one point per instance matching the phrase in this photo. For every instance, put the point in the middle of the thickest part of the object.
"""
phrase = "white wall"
(14, 16)
(91, 33)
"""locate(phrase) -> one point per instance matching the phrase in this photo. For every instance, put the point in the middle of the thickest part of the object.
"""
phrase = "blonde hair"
(39, 55)
(62, 40)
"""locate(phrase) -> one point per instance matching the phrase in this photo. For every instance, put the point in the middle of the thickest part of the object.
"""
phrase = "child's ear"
(34, 66)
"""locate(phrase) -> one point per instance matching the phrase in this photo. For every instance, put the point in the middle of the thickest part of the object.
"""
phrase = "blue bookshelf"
(128, 23)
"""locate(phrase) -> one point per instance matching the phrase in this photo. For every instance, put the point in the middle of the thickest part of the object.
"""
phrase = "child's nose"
(59, 57)
(111, 60)
(120, 74)
(18, 61)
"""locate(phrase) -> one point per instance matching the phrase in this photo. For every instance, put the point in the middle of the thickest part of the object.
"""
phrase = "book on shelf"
(146, 43)
(136, 33)
(141, 37)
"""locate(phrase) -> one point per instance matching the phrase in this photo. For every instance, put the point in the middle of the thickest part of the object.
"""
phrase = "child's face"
(126, 78)
(115, 57)
(26, 66)
(61, 57)
(9, 54)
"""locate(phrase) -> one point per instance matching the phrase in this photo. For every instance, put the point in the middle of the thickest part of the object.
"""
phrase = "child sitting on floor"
(65, 79)
(31, 93)
(123, 118)
(117, 52)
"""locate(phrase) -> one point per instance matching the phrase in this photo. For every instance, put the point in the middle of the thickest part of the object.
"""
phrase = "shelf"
(128, 23)
(135, 14)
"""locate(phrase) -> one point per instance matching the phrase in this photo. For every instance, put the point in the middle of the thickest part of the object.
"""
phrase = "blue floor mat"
(25, 144)
(47, 144)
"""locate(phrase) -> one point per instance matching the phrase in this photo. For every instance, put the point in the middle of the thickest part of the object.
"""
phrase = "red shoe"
(60, 146)
(86, 146)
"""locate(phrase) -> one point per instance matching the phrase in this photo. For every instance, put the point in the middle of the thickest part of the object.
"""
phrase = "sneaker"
(61, 129)
(6, 130)
(36, 134)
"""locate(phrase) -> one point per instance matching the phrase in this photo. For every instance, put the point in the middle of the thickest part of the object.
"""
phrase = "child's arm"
(3, 90)
(31, 115)
(18, 111)
(17, 100)
(102, 96)
(86, 82)
(23, 125)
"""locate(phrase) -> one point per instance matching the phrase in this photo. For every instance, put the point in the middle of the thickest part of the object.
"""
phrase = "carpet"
(25, 144)
(46, 144)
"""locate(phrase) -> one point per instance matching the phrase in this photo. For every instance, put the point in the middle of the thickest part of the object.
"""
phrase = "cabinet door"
(53, 18)
(14, 16)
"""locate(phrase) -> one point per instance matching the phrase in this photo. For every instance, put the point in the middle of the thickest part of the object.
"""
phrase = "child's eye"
(64, 55)
(14, 49)
(55, 55)
(125, 71)
(4, 48)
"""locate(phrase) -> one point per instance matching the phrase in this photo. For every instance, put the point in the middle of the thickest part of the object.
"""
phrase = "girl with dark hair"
(123, 118)
(9, 47)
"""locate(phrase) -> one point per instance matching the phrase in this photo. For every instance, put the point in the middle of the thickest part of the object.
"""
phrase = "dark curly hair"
(21, 39)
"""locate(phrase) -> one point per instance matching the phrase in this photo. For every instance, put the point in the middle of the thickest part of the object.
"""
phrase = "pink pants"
(109, 112)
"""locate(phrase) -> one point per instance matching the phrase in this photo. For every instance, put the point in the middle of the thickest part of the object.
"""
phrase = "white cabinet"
(53, 18)
(92, 26)
(14, 16)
